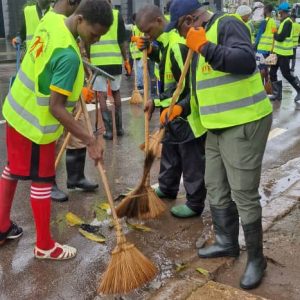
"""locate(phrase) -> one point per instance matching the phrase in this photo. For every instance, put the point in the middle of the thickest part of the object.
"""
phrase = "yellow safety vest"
(227, 99)
(284, 48)
(172, 40)
(164, 39)
(32, 21)
(25, 107)
(252, 31)
(266, 41)
(174, 44)
(296, 33)
(135, 52)
(107, 50)
(167, 17)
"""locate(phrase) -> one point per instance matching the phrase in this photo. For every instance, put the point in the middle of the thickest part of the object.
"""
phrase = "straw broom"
(136, 97)
(130, 205)
(142, 202)
(128, 268)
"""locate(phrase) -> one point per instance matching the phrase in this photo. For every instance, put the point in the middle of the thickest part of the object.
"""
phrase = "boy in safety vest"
(37, 108)
(76, 150)
(283, 47)
(109, 54)
(31, 19)
(237, 113)
(296, 33)
(183, 144)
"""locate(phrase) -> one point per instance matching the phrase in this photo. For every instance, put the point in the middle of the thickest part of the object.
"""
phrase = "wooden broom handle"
(177, 92)
(146, 95)
(135, 73)
(66, 141)
(101, 169)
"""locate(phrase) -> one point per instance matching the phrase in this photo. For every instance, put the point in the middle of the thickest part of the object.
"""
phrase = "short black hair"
(269, 8)
(148, 13)
(96, 12)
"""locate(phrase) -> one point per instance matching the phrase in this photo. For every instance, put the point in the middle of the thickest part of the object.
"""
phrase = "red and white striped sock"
(7, 191)
(40, 198)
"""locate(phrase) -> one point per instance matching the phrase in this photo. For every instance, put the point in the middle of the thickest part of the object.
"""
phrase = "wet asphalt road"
(170, 241)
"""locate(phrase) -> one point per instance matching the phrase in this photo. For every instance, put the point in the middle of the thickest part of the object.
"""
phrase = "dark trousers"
(187, 159)
(283, 63)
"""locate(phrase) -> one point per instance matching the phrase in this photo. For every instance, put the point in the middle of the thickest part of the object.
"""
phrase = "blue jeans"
(139, 73)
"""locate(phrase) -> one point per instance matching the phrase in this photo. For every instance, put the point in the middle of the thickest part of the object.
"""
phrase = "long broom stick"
(128, 267)
(142, 202)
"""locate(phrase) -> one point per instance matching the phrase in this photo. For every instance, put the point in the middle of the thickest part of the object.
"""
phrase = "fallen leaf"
(139, 227)
(90, 228)
(203, 272)
(73, 220)
(104, 206)
(180, 267)
(92, 236)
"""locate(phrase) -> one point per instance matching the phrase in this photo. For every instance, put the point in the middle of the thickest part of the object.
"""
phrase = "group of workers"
(215, 136)
(282, 41)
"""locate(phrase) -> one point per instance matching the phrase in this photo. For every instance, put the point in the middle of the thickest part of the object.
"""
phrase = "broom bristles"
(134, 205)
(128, 269)
(136, 97)
(154, 143)
(156, 205)
(141, 202)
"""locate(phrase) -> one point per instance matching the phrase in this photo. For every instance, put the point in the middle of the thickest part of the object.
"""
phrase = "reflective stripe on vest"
(225, 99)
(252, 31)
(266, 40)
(193, 118)
(32, 21)
(135, 52)
(284, 48)
(26, 108)
(107, 50)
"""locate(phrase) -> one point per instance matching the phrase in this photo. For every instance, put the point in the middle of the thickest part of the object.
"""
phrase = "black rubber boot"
(75, 162)
(118, 116)
(226, 227)
(57, 194)
(296, 86)
(256, 263)
(277, 91)
(107, 119)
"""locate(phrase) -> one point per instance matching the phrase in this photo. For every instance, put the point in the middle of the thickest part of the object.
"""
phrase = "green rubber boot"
(183, 211)
(162, 195)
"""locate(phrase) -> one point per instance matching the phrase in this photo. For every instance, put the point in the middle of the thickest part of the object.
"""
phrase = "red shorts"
(28, 160)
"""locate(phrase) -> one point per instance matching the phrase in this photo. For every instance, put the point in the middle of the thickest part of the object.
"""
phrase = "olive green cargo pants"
(233, 167)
